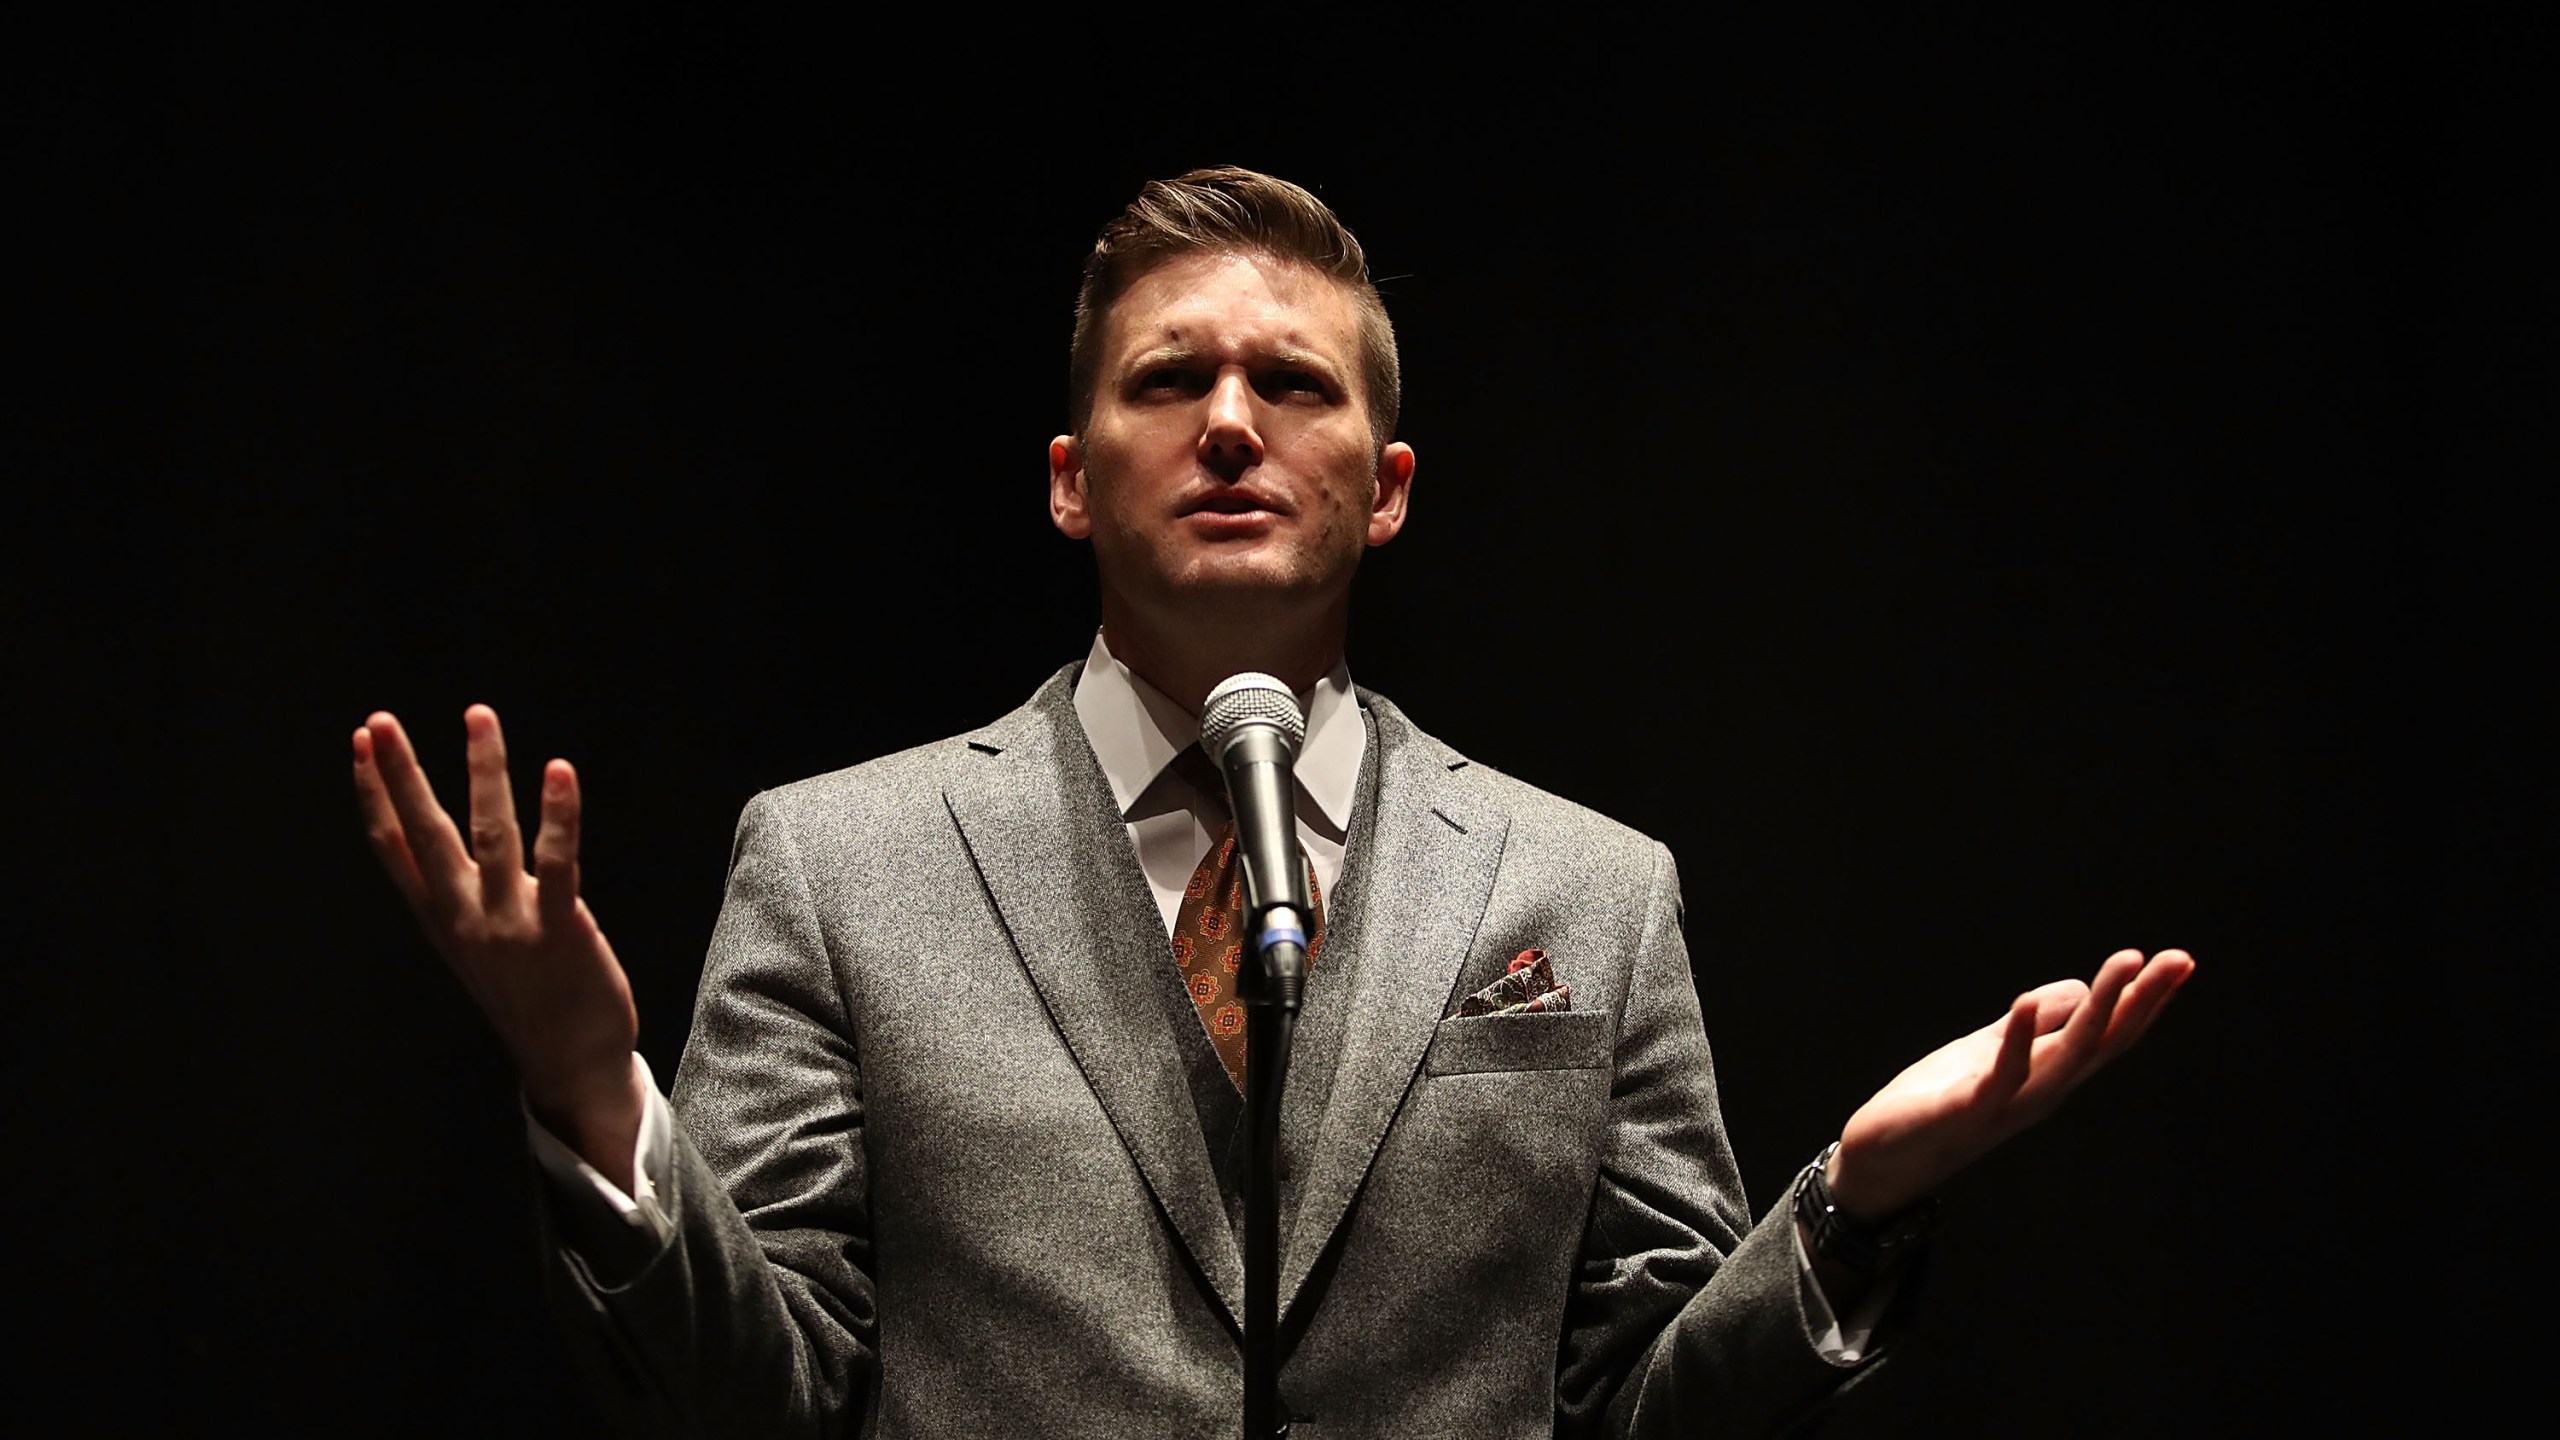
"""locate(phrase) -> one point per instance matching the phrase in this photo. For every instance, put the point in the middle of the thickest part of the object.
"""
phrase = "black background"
(1983, 491)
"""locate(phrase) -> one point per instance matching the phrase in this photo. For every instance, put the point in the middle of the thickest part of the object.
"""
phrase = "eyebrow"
(1290, 358)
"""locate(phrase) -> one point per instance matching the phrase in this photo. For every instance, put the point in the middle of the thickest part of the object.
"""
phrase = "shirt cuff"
(581, 1184)
(1852, 1343)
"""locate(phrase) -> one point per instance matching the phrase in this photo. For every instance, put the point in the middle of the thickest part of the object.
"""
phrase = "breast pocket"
(1477, 1044)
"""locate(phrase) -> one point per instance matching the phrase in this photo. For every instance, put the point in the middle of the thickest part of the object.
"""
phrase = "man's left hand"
(1960, 1100)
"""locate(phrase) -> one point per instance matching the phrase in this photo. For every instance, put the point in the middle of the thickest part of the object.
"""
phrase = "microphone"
(1251, 727)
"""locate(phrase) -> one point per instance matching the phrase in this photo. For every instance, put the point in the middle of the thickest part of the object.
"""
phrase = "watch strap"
(1863, 1246)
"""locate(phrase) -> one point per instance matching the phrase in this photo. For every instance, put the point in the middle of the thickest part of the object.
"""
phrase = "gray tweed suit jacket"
(953, 1157)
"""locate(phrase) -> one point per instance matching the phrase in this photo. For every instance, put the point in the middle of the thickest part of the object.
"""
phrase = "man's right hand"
(524, 945)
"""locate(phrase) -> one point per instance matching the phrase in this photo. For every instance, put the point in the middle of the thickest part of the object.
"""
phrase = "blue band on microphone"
(1279, 934)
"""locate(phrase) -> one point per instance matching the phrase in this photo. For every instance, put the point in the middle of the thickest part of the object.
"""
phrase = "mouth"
(1232, 501)
(1230, 515)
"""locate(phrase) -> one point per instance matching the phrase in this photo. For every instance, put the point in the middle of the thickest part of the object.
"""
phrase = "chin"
(1232, 580)
(1263, 574)
(1242, 590)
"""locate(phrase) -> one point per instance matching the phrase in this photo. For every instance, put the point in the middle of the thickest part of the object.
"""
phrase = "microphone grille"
(1251, 698)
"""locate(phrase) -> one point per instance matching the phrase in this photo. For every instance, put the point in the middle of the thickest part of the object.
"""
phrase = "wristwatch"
(1864, 1246)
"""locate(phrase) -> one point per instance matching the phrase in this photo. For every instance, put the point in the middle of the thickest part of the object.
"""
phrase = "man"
(958, 1143)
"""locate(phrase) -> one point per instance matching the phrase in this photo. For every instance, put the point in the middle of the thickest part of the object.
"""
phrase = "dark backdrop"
(1984, 492)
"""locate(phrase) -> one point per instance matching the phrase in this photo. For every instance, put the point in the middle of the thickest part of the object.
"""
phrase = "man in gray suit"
(957, 1149)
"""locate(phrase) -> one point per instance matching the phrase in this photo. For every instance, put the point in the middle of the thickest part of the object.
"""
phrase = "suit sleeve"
(1685, 1319)
(757, 1316)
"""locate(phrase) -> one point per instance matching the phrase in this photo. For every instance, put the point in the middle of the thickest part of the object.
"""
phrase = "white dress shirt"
(1136, 733)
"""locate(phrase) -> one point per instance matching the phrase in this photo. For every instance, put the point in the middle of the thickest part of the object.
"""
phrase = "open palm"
(1960, 1100)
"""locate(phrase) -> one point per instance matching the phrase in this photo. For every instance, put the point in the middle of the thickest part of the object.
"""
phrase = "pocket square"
(1528, 987)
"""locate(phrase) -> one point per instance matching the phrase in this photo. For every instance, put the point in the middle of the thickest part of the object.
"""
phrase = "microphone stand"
(1275, 981)
(1251, 724)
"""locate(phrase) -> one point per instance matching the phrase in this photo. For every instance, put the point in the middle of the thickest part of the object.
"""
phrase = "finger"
(555, 848)
(2080, 1047)
(382, 824)
(2089, 1024)
(494, 841)
(433, 841)
(2146, 997)
(2056, 1002)
(2011, 1066)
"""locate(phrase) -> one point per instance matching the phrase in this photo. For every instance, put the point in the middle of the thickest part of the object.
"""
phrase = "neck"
(1184, 656)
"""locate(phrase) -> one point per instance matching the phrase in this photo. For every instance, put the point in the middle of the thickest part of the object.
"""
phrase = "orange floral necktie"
(1208, 945)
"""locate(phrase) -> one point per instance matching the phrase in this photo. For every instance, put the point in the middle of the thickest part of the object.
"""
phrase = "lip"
(1230, 524)
(1231, 502)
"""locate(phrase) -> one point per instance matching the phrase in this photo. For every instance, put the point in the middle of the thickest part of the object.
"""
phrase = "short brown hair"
(1227, 210)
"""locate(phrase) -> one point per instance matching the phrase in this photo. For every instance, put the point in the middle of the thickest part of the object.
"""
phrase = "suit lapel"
(1049, 845)
(1420, 879)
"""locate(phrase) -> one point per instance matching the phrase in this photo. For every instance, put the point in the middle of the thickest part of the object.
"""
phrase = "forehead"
(1234, 302)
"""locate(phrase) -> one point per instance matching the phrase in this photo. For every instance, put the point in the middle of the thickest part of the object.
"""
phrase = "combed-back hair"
(1224, 210)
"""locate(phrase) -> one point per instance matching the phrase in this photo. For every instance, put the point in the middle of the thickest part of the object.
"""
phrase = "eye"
(1169, 380)
(1291, 382)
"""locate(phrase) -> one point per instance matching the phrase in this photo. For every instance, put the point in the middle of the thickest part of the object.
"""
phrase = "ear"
(1066, 488)
(1395, 488)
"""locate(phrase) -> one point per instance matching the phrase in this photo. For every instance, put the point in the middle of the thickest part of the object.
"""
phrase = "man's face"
(1229, 452)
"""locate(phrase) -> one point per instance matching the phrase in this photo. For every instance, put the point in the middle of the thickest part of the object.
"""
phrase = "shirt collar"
(1136, 732)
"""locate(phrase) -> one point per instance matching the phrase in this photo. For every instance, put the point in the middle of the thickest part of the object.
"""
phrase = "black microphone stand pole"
(1275, 977)
(1271, 1018)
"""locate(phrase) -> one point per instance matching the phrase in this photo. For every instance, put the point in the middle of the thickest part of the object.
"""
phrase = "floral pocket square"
(1528, 987)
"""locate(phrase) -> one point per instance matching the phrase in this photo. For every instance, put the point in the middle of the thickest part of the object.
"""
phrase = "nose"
(1229, 442)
